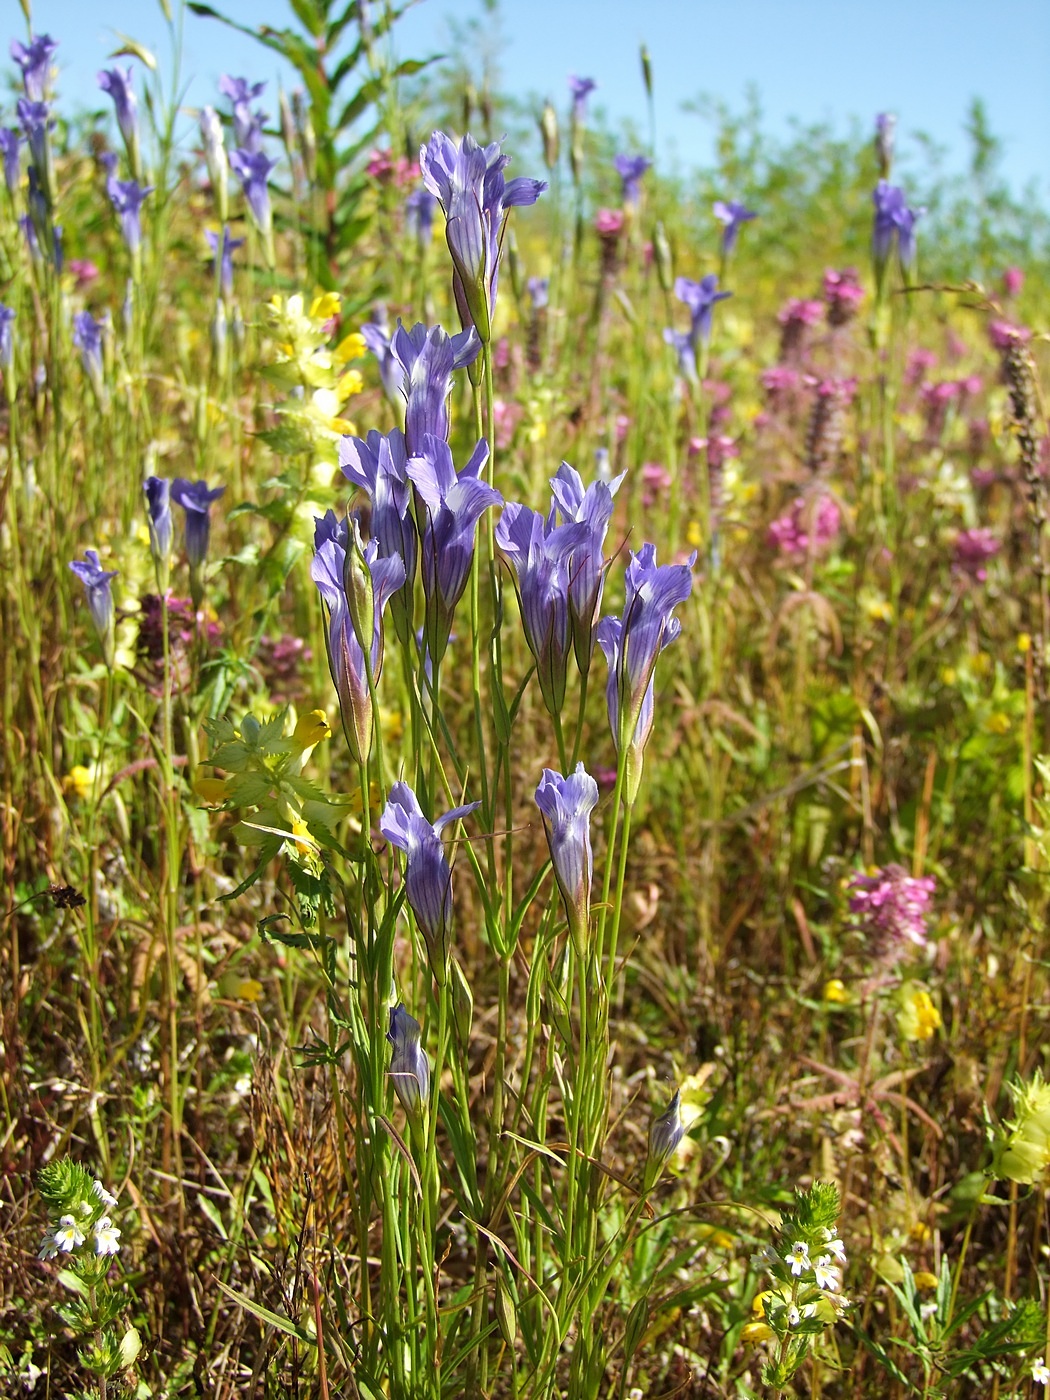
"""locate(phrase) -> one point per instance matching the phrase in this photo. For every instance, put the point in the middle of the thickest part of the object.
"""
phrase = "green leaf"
(272, 1319)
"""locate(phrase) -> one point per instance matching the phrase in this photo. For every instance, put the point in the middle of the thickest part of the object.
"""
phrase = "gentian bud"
(409, 1066)
(98, 588)
(665, 1133)
(161, 528)
(549, 132)
(567, 804)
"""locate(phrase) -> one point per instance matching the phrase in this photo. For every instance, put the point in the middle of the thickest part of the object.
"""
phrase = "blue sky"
(830, 60)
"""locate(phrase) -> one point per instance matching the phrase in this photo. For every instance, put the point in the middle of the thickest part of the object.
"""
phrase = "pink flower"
(810, 526)
(656, 479)
(779, 379)
(1003, 334)
(920, 362)
(973, 549)
(623, 423)
(507, 417)
(608, 222)
(843, 295)
(1013, 281)
(84, 270)
(891, 908)
(801, 313)
(379, 165)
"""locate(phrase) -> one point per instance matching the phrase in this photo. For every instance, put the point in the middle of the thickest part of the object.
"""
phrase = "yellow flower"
(78, 781)
(924, 1280)
(949, 675)
(1024, 642)
(693, 534)
(239, 988)
(756, 1332)
(758, 1302)
(998, 723)
(351, 347)
(350, 384)
(210, 790)
(835, 991)
(305, 843)
(325, 306)
(917, 1017)
(311, 729)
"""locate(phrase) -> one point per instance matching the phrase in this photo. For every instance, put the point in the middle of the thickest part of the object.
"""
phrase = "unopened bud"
(664, 258)
(357, 584)
(549, 133)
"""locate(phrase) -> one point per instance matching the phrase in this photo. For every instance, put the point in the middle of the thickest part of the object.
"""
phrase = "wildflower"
(539, 292)
(378, 465)
(592, 507)
(917, 1017)
(665, 1133)
(427, 358)
(253, 168)
(1040, 1373)
(885, 132)
(79, 781)
(797, 1257)
(223, 247)
(630, 170)
(34, 60)
(127, 197)
(246, 127)
(825, 1274)
(346, 657)
(540, 553)
(107, 1237)
(195, 499)
(420, 208)
(580, 89)
(10, 148)
(810, 526)
(567, 804)
(409, 1066)
(700, 297)
(454, 503)
(87, 337)
(67, 1235)
(973, 549)
(7, 347)
(1013, 281)
(469, 183)
(733, 216)
(215, 158)
(682, 343)
(98, 588)
(894, 224)
(632, 646)
(794, 1317)
(608, 223)
(891, 907)
(428, 875)
(118, 85)
(835, 993)
(842, 295)
(36, 123)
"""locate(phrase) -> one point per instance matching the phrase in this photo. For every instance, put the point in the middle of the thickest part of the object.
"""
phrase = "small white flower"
(927, 1310)
(794, 1316)
(835, 1246)
(765, 1257)
(826, 1274)
(68, 1236)
(104, 1196)
(1040, 1373)
(48, 1247)
(798, 1257)
(86, 1208)
(107, 1237)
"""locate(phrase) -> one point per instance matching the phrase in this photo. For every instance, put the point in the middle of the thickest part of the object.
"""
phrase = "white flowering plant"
(81, 1235)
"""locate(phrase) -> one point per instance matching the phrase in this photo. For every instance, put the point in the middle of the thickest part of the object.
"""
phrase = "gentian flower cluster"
(469, 184)
(378, 464)
(10, 157)
(892, 907)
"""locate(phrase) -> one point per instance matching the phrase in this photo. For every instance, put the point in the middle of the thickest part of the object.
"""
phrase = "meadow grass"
(413, 981)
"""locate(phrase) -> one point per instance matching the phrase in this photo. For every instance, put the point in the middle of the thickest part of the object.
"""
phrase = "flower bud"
(549, 132)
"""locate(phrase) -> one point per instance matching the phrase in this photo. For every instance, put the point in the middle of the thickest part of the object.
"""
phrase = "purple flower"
(409, 1066)
(161, 525)
(630, 170)
(632, 646)
(35, 119)
(593, 508)
(469, 183)
(540, 551)
(539, 292)
(809, 527)
(195, 499)
(891, 909)
(378, 465)
(420, 208)
(87, 337)
(35, 63)
(885, 132)
(427, 359)
(567, 804)
(346, 657)
(376, 335)
(247, 128)
(127, 197)
(118, 85)
(10, 146)
(665, 1133)
(224, 246)
(700, 297)
(253, 168)
(894, 223)
(581, 89)
(7, 347)
(682, 342)
(453, 504)
(97, 583)
(733, 216)
(428, 876)
(973, 549)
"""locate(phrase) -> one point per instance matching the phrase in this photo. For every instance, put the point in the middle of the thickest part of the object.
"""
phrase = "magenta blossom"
(891, 908)
(809, 526)
(973, 549)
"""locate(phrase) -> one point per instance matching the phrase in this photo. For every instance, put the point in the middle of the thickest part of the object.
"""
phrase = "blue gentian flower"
(378, 464)
(733, 216)
(161, 526)
(700, 297)
(7, 345)
(127, 197)
(581, 89)
(665, 1133)
(427, 358)
(540, 552)
(894, 223)
(87, 337)
(539, 292)
(35, 119)
(420, 208)
(469, 183)
(428, 876)
(195, 499)
(10, 146)
(253, 168)
(632, 646)
(223, 246)
(682, 342)
(630, 170)
(376, 335)
(453, 504)
(409, 1066)
(346, 657)
(593, 508)
(119, 87)
(567, 804)
(34, 60)
(247, 128)
(97, 583)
